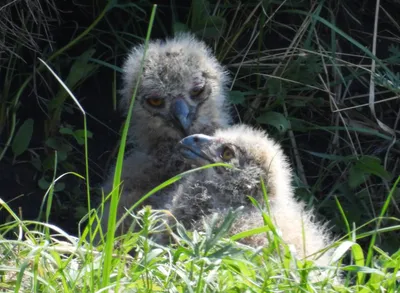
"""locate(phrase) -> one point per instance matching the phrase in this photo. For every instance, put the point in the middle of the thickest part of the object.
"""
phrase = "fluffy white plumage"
(214, 190)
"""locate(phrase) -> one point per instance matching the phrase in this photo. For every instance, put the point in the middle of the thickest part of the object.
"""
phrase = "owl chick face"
(178, 106)
(250, 150)
(181, 90)
(202, 149)
(229, 186)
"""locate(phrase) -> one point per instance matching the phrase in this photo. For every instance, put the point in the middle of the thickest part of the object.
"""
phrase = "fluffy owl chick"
(254, 155)
(182, 90)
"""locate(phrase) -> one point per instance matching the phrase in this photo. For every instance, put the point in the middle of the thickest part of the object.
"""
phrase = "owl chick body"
(254, 155)
(182, 90)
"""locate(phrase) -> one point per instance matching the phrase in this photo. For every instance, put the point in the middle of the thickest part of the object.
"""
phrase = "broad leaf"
(22, 138)
(274, 119)
(364, 167)
(178, 27)
(237, 97)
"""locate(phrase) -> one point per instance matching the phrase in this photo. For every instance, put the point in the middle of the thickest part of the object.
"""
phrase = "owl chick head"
(251, 151)
(182, 90)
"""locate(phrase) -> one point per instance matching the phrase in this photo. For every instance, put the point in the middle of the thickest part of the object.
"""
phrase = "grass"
(43, 258)
(305, 72)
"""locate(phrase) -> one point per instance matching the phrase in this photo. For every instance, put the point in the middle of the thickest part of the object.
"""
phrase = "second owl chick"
(214, 190)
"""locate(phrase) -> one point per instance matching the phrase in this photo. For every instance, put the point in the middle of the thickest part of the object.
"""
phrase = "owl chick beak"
(192, 148)
(181, 114)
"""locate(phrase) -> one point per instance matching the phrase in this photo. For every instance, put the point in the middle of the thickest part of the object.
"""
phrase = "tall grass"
(44, 258)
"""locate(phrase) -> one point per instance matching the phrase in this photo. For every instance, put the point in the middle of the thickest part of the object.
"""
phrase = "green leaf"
(37, 163)
(198, 12)
(298, 125)
(80, 136)
(237, 97)
(48, 162)
(58, 145)
(274, 119)
(80, 212)
(299, 103)
(394, 54)
(59, 186)
(367, 270)
(43, 183)
(66, 130)
(356, 177)
(80, 70)
(266, 4)
(341, 250)
(62, 156)
(210, 27)
(178, 27)
(373, 165)
(22, 138)
(336, 158)
(364, 167)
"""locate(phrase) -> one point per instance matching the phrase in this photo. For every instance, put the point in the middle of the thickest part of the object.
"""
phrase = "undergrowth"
(320, 76)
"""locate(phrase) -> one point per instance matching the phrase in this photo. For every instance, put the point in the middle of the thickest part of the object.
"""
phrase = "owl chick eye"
(155, 101)
(227, 154)
(196, 91)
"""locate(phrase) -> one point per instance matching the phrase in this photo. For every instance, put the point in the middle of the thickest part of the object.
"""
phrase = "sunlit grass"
(40, 257)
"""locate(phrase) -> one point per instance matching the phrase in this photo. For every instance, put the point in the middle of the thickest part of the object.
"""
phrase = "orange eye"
(194, 92)
(155, 102)
(227, 154)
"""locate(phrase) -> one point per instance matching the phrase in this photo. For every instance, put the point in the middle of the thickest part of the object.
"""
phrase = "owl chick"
(254, 155)
(182, 90)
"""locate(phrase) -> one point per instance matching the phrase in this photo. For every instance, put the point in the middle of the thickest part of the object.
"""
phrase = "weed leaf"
(274, 119)
(22, 138)
(364, 167)
(236, 97)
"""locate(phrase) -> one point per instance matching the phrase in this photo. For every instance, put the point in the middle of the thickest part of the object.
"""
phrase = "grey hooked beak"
(192, 147)
(181, 113)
